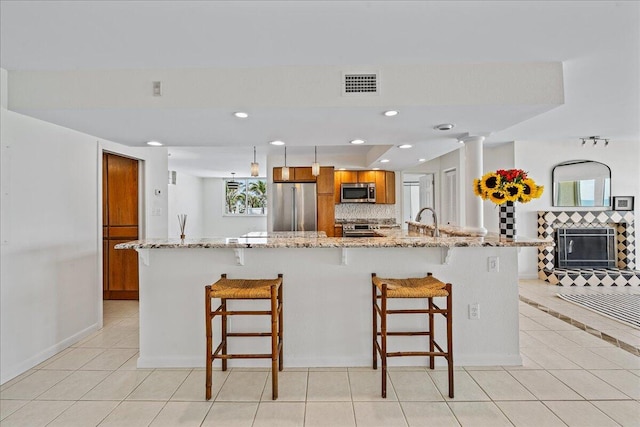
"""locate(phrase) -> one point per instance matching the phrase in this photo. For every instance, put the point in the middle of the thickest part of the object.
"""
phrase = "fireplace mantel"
(622, 221)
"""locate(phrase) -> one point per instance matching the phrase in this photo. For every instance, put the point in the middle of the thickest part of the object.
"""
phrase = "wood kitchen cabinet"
(296, 174)
(326, 205)
(390, 189)
(325, 180)
(326, 214)
(385, 183)
(385, 187)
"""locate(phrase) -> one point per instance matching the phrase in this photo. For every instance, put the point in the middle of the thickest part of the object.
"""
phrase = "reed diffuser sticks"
(182, 221)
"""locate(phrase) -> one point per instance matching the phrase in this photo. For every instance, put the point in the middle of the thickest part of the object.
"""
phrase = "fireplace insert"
(586, 247)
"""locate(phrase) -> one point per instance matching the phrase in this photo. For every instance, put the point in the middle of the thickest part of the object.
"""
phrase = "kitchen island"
(327, 294)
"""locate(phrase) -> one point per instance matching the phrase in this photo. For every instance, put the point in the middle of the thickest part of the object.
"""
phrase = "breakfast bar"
(327, 293)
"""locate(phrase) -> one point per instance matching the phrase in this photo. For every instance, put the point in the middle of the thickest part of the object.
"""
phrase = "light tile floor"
(569, 377)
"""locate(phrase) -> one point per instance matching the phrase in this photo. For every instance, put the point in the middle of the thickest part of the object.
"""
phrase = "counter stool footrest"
(416, 353)
(248, 334)
(236, 313)
(407, 334)
(243, 356)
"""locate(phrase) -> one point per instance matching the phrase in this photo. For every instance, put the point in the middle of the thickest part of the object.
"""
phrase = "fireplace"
(585, 247)
(603, 251)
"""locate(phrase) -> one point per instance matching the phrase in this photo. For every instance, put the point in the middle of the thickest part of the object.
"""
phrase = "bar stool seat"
(244, 289)
(417, 287)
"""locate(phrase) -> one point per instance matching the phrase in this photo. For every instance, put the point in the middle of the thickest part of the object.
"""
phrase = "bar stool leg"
(374, 294)
(207, 307)
(450, 338)
(383, 334)
(431, 339)
(280, 326)
(225, 328)
(274, 343)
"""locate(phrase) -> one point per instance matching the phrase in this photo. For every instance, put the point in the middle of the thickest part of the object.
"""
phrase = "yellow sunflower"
(477, 189)
(528, 190)
(539, 190)
(490, 182)
(513, 191)
(498, 197)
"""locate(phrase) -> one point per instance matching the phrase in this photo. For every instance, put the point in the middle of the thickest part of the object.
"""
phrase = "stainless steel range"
(360, 230)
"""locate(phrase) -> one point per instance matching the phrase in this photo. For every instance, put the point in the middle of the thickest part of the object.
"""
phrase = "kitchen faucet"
(436, 232)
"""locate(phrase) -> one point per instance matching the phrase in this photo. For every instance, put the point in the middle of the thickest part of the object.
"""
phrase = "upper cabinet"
(385, 183)
(296, 174)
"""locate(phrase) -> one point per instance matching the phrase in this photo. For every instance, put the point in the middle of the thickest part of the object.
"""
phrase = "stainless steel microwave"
(362, 192)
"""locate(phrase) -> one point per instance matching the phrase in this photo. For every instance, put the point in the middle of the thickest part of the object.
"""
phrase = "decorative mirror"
(581, 183)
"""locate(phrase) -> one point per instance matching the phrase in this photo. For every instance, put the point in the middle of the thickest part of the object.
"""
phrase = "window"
(245, 196)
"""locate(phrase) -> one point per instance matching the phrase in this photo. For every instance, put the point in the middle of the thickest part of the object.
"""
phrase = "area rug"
(624, 308)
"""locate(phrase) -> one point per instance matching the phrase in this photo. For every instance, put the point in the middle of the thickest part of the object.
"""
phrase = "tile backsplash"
(365, 211)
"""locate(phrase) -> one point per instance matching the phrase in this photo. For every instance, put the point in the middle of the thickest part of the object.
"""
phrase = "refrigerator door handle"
(294, 217)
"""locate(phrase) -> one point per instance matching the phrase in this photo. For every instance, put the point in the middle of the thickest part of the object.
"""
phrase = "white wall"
(215, 223)
(186, 197)
(49, 292)
(539, 158)
(51, 253)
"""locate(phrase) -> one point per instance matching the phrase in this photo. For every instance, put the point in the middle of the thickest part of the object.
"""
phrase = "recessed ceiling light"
(384, 161)
(357, 141)
(241, 114)
(422, 160)
(342, 169)
(444, 126)
(376, 169)
(154, 143)
(391, 113)
(405, 146)
(276, 143)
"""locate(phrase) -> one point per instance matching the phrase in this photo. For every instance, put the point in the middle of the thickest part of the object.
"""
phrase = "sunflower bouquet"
(511, 185)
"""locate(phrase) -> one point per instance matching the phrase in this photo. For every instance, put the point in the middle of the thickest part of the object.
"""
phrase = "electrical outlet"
(474, 311)
(493, 264)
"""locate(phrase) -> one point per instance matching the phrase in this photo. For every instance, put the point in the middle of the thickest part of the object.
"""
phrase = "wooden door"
(120, 224)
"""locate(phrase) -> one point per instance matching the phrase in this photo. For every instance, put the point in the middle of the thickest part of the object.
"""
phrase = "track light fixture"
(594, 140)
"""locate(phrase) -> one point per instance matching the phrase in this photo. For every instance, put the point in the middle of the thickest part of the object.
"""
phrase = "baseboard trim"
(13, 371)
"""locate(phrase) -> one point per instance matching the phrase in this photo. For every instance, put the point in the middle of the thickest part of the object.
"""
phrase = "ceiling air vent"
(360, 84)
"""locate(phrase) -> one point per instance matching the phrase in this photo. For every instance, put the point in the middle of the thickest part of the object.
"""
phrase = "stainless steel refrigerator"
(294, 207)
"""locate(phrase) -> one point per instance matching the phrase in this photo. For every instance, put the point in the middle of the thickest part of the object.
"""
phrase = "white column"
(473, 204)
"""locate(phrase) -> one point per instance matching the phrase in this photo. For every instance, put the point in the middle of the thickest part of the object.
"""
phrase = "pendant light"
(255, 169)
(285, 169)
(232, 184)
(315, 166)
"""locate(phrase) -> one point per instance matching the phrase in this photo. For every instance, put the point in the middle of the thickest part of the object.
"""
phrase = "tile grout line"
(584, 327)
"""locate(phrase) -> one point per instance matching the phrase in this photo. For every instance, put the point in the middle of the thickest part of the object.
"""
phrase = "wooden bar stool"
(245, 289)
(423, 287)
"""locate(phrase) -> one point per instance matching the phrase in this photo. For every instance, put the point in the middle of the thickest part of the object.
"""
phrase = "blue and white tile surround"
(622, 221)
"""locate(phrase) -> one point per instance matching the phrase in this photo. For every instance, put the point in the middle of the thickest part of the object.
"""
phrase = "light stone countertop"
(389, 238)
